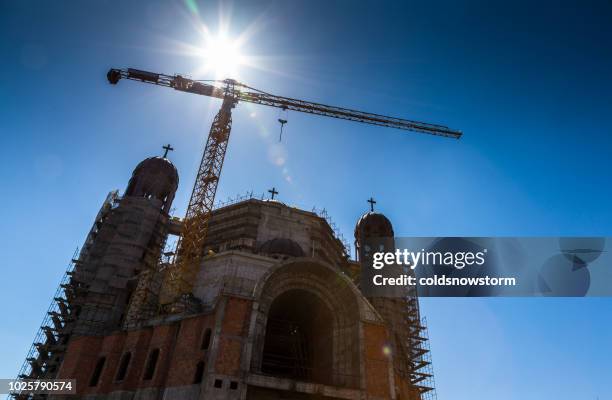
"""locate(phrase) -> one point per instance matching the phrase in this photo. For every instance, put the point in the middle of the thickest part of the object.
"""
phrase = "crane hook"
(282, 122)
(282, 118)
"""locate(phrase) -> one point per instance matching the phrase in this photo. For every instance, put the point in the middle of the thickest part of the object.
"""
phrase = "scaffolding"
(337, 233)
(426, 370)
(289, 356)
(419, 361)
(46, 353)
(49, 345)
(111, 202)
(144, 300)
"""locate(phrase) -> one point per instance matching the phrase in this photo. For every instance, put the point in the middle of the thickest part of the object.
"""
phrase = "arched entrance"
(299, 337)
(316, 310)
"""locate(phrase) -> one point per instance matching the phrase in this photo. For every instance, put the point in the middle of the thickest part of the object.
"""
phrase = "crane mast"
(180, 278)
(199, 210)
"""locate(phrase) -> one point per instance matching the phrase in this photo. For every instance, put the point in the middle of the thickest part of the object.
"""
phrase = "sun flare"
(222, 56)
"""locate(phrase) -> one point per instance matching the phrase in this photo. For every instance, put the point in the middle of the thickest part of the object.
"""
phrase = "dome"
(373, 224)
(281, 246)
(154, 177)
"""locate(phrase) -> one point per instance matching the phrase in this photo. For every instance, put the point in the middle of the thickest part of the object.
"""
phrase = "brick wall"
(112, 348)
(234, 330)
(376, 362)
(80, 360)
(180, 350)
(163, 338)
(405, 390)
(237, 313)
(188, 350)
(137, 343)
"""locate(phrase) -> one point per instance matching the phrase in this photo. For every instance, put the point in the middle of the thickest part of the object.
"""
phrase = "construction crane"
(200, 208)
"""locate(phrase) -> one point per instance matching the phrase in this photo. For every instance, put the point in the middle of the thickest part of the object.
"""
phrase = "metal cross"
(167, 148)
(372, 202)
(273, 192)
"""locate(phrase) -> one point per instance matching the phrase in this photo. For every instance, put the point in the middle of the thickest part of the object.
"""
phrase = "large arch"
(298, 340)
(331, 332)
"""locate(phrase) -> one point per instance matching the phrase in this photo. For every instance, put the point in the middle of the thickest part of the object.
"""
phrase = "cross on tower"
(372, 202)
(167, 148)
(273, 192)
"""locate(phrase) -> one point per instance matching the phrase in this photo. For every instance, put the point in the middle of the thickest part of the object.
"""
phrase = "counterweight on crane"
(199, 211)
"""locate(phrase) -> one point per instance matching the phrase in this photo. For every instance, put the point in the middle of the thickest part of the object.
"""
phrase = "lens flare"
(222, 56)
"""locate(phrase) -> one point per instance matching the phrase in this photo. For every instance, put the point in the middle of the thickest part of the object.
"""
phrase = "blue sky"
(528, 84)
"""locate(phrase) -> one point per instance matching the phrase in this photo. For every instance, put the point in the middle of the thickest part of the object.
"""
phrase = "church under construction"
(275, 310)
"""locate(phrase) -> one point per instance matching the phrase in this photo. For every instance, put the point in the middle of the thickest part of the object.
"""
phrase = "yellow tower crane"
(199, 212)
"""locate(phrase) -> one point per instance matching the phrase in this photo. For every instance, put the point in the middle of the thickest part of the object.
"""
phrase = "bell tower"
(400, 309)
(125, 241)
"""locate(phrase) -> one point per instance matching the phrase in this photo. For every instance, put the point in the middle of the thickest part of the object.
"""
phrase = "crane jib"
(347, 114)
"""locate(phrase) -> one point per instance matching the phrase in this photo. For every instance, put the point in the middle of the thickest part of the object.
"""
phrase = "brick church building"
(276, 311)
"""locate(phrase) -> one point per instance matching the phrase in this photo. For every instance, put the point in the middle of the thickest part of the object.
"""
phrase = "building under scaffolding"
(276, 309)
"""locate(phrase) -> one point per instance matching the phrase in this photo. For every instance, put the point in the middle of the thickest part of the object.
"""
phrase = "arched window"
(199, 373)
(151, 364)
(123, 366)
(206, 339)
(95, 377)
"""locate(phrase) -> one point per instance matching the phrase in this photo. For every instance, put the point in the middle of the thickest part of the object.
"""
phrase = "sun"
(222, 56)
(220, 51)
